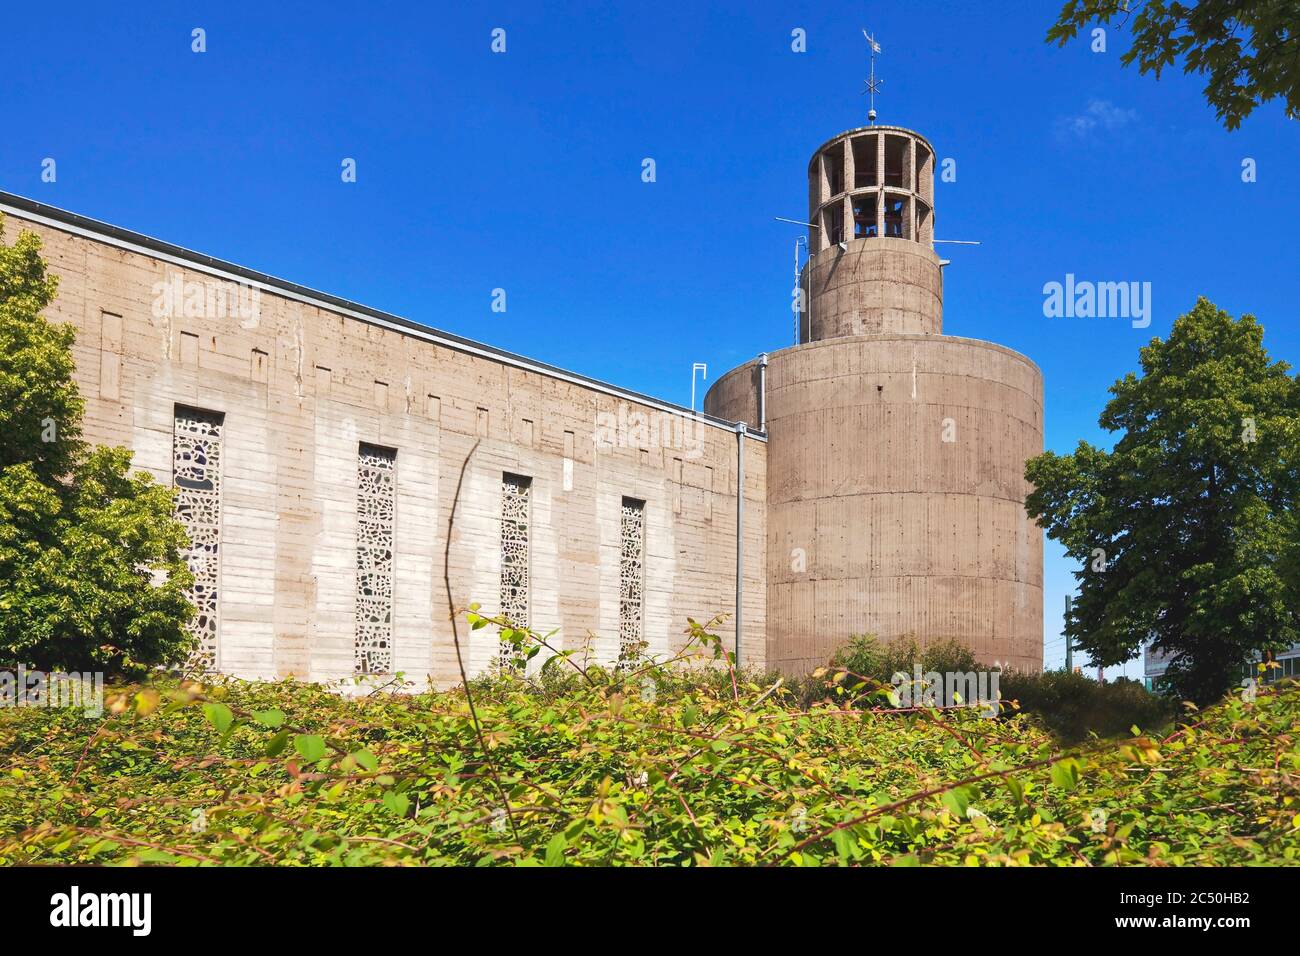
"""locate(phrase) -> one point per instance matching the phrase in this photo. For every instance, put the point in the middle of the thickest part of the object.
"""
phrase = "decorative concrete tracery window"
(516, 496)
(376, 486)
(196, 473)
(631, 580)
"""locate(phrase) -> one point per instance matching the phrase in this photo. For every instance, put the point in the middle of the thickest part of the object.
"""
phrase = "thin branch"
(455, 636)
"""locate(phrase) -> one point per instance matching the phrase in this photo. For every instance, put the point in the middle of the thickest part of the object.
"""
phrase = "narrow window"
(631, 581)
(895, 161)
(923, 173)
(896, 224)
(189, 349)
(833, 221)
(924, 226)
(516, 495)
(196, 474)
(376, 493)
(864, 216)
(864, 162)
(835, 169)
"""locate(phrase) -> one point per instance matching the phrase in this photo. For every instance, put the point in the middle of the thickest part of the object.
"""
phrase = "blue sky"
(522, 170)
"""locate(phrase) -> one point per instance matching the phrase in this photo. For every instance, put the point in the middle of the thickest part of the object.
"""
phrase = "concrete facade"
(303, 383)
(895, 453)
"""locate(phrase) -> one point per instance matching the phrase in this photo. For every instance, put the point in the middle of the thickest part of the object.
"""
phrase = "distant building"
(1154, 665)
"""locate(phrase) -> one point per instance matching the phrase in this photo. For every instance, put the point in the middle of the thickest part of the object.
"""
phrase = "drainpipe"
(762, 393)
(740, 532)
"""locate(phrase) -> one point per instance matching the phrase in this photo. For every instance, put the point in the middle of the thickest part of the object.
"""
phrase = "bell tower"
(896, 454)
(872, 266)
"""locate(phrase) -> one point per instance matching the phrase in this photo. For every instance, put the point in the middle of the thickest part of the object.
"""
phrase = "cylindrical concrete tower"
(895, 456)
(873, 183)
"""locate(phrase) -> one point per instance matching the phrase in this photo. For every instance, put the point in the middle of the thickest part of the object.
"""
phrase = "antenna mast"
(873, 84)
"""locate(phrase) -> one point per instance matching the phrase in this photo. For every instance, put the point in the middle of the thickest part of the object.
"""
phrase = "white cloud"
(1099, 115)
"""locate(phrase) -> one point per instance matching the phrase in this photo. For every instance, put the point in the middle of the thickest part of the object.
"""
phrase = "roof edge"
(138, 242)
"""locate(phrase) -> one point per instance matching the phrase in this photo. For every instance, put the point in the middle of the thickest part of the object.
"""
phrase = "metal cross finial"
(873, 85)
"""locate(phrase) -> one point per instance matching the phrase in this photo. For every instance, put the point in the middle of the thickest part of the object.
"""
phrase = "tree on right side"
(1248, 50)
(1187, 529)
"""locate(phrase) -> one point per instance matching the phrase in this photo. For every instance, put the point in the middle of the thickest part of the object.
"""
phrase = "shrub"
(1074, 706)
(867, 656)
(1070, 705)
(543, 770)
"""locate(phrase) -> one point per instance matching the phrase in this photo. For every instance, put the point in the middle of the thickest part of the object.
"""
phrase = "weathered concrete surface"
(874, 286)
(876, 523)
(301, 385)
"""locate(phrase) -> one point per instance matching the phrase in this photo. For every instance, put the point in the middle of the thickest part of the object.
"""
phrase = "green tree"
(1187, 530)
(91, 573)
(1249, 50)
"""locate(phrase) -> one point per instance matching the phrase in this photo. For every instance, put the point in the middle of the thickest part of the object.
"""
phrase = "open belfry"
(868, 480)
(895, 453)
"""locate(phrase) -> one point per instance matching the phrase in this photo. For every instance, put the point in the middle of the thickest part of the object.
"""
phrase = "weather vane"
(873, 84)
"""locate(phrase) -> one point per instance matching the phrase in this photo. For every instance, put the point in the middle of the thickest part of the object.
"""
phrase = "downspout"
(762, 393)
(740, 532)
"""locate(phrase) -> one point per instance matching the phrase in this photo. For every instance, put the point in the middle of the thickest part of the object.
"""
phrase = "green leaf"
(366, 759)
(957, 800)
(219, 716)
(398, 803)
(269, 718)
(844, 844)
(1065, 773)
(311, 747)
(277, 744)
(555, 850)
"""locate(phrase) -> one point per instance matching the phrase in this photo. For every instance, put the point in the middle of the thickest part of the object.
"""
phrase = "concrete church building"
(869, 479)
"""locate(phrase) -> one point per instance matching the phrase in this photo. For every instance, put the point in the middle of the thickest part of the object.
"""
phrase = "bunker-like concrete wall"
(303, 382)
(873, 286)
(895, 495)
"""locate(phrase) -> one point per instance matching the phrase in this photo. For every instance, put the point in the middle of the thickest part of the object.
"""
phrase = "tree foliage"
(89, 551)
(1187, 530)
(1248, 50)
